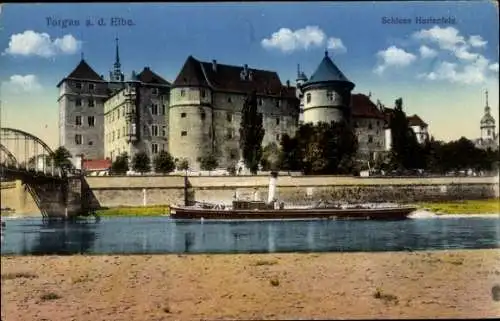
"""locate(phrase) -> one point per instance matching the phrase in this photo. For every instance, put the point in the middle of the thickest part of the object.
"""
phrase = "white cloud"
(23, 84)
(31, 43)
(477, 41)
(287, 40)
(473, 73)
(335, 44)
(494, 67)
(426, 52)
(446, 38)
(393, 57)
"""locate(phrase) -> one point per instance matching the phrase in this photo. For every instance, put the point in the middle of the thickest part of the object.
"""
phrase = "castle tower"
(81, 107)
(327, 94)
(487, 123)
(190, 120)
(116, 76)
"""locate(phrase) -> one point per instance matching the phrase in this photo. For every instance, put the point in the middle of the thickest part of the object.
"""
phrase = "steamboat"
(273, 209)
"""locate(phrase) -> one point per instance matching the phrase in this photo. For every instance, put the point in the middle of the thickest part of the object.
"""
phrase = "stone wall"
(156, 190)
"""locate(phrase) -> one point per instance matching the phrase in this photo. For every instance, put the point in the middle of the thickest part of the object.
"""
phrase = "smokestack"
(272, 187)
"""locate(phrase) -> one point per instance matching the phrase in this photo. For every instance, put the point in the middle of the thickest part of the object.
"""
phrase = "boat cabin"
(251, 205)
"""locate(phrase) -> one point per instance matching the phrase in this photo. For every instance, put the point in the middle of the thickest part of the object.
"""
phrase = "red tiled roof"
(228, 78)
(362, 106)
(414, 120)
(96, 164)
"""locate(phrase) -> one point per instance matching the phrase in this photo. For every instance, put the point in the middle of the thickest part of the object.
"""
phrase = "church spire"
(117, 64)
(116, 74)
(486, 107)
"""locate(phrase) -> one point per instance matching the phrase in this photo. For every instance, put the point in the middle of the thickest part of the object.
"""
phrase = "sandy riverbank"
(271, 286)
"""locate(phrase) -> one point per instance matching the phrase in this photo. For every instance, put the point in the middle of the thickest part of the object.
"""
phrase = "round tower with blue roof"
(327, 94)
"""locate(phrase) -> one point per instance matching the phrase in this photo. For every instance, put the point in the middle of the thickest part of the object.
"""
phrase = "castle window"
(203, 116)
(154, 130)
(370, 139)
(78, 120)
(91, 143)
(278, 102)
(229, 133)
(78, 102)
(229, 99)
(277, 137)
(229, 117)
(154, 148)
(369, 125)
(118, 113)
(91, 87)
(91, 103)
(154, 91)
(183, 92)
(184, 133)
(308, 98)
(164, 131)
(91, 121)
(277, 121)
(489, 132)
(78, 139)
(260, 101)
(118, 133)
(78, 85)
(329, 95)
(163, 109)
(183, 115)
(203, 93)
(123, 111)
(154, 109)
(113, 136)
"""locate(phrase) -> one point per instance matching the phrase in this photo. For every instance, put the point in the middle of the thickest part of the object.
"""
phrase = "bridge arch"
(7, 152)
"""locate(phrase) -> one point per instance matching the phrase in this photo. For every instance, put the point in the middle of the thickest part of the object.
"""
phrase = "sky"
(441, 66)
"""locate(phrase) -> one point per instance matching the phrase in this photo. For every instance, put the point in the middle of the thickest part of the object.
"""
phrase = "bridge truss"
(24, 153)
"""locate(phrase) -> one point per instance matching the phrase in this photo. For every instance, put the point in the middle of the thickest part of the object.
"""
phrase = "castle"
(200, 111)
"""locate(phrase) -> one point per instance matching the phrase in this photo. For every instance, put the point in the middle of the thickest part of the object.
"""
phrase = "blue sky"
(443, 82)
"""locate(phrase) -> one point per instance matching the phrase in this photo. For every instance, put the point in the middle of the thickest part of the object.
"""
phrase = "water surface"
(151, 235)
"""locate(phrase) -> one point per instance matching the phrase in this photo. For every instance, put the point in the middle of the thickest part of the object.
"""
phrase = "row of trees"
(163, 163)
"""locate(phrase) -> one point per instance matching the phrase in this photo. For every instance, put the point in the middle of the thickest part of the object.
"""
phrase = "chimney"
(272, 187)
(146, 68)
(288, 83)
(245, 68)
(214, 65)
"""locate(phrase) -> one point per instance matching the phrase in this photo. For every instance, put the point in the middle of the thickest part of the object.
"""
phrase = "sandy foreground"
(442, 284)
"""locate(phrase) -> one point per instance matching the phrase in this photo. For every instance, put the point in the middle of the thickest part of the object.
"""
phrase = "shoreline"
(421, 284)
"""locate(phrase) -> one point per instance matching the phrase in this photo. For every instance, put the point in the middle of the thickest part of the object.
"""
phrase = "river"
(154, 235)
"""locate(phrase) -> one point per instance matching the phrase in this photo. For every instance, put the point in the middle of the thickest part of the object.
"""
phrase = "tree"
(182, 164)
(164, 162)
(208, 162)
(271, 157)
(251, 133)
(141, 163)
(62, 158)
(120, 165)
(290, 156)
(326, 148)
(405, 149)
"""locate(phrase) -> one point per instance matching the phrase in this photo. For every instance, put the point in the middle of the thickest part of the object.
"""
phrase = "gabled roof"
(149, 77)
(362, 106)
(228, 78)
(414, 120)
(328, 72)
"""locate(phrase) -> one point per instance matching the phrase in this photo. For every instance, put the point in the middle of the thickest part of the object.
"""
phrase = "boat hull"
(396, 213)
